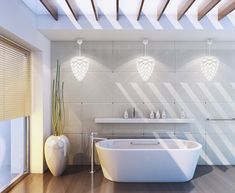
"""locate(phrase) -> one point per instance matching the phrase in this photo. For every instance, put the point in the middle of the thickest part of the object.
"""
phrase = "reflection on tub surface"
(148, 160)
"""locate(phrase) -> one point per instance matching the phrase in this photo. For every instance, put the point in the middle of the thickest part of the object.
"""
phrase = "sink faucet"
(92, 140)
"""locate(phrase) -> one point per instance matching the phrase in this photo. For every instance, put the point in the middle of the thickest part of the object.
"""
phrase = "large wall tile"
(226, 59)
(221, 89)
(97, 87)
(164, 59)
(169, 108)
(96, 110)
(189, 60)
(63, 52)
(123, 90)
(73, 89)
(187, 86)
(221, 148)
(165, 131)
(223, 111)
(155, 89)
(119, 109)
(196, 111)
(128, 130)
(74, 118)
(100, 58)
(125, 60)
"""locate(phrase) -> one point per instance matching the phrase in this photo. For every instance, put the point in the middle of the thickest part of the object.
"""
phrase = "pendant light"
(79, 64)
(145, 64)
(209, 64)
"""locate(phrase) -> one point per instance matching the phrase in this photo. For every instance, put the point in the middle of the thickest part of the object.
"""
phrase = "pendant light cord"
(145, 42)
(79, 49)
(79, 42)
(209, 49)
(209, 43)
(145, 47)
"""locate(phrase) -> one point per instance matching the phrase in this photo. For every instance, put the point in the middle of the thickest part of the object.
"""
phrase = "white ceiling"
(133, 35)
(127, 7)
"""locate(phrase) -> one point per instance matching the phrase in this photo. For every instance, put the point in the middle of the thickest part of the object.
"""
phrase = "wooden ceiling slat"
(225, 10)
(184, 8)
(162, 9)
(94, 10)
(204, 9)
(50, 8)
(140, 10)
(117, 9)
(72, 6)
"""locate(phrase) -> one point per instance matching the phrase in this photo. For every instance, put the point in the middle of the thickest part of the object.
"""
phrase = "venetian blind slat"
(15, 81)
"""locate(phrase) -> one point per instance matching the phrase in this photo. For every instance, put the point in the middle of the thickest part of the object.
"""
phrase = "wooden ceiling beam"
(204, 9)
(117, 9)
(94, 10)
(162, 9)
(140, 10)
(184, 8)
(226, 9)
(50, 8)
(72, 6)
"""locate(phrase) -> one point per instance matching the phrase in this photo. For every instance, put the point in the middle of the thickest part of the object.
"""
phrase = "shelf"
(141, 120)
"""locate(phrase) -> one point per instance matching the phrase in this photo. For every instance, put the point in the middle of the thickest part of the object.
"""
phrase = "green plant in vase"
(58, 112)
(57, 145)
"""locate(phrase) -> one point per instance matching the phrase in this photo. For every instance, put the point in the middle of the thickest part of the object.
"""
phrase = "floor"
(207, 179)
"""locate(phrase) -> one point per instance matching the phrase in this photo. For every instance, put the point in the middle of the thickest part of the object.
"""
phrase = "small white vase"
(163, 114)
(158, 116)
(182, 115)
(125, 114)
(56, 153)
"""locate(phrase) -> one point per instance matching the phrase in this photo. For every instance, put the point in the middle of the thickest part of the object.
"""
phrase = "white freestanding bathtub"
(148, 160)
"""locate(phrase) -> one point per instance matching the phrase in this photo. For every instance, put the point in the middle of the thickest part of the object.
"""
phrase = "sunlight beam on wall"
(130, 100)
(211, 98)
(202, 109)
(160, 97)
(143, 96)
(225, 94)
(210, 142)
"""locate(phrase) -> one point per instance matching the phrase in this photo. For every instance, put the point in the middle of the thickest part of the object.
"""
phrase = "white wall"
(19, 23)
(113, 84)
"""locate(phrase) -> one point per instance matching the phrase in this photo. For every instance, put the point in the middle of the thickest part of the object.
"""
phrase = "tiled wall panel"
(113, 84)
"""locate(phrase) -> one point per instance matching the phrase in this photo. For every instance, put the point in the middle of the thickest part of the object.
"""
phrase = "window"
(15, 82)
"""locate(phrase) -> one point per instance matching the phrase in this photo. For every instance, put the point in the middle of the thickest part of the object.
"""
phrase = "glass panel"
(13, 150)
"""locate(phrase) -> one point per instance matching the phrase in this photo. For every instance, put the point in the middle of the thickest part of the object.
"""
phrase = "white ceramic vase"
(56, 153)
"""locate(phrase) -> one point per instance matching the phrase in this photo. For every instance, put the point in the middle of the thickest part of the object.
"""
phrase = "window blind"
(15, 80)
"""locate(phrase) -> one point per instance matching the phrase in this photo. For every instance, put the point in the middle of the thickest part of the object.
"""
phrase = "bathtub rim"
(97, 145)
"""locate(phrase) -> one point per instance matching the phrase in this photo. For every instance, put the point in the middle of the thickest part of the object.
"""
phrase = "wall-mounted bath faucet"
(93, 139)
